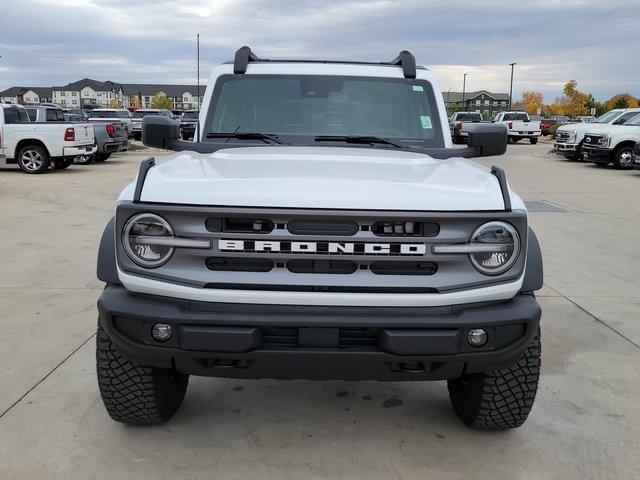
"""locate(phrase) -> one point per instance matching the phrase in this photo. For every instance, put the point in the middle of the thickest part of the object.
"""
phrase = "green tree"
(160, 100)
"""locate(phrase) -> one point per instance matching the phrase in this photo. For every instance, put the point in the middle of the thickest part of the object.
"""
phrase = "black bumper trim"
(410, 343)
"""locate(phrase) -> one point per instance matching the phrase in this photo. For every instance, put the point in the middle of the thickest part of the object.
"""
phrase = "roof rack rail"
(244, 56)
(408, 63)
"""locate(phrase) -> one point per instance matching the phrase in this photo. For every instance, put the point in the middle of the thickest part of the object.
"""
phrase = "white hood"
(322, 177)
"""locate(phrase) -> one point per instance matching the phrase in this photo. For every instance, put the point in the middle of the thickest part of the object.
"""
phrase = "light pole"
(511, 86)
(464, 85)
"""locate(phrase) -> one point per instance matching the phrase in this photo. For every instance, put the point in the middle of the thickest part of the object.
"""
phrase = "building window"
(477, 102)
(74, 94)
(503, 103)
(486, 102)
(495, 103)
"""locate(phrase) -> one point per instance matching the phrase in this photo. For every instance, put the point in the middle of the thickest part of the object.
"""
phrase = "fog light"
(477, 337)
(161, 332)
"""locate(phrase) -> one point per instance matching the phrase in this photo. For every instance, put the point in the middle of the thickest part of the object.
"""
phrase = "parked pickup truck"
(111, 137)
(605, 144)
(138, 115)
(295, 239)
(36, 146)
(121, 115)
(458, 123)
(570, 137)
(519, 126)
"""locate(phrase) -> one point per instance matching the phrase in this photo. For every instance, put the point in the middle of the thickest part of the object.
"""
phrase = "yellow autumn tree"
(577, 101)
(621, 100)
(160, 100)
(532, 101)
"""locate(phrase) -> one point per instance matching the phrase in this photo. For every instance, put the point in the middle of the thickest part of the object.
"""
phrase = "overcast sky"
(54, 42)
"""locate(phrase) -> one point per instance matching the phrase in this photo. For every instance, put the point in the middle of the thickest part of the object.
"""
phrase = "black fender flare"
(107, 270)
(534, 272)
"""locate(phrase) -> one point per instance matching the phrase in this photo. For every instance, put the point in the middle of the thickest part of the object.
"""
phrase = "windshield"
(469, 117)
(109, 114)
(190, 115)
(302, 106)
(634, 121)
(516, 116)
(607, 117)
(139, 114)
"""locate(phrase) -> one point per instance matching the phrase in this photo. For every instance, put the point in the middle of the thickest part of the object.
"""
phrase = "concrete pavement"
(585, 423)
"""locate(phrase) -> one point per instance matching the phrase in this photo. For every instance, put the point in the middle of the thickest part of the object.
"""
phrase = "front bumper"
(596, 154)
(317, 342)
(525, 134)
(562, 147)
(80, 150)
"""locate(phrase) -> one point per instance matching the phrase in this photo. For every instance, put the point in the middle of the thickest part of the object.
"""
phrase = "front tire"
(623, 157)
(33, 159)
(136, 394)
(498, 399)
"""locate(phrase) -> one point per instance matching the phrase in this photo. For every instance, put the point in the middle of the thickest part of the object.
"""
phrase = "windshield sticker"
(426, 121)
(418, 88)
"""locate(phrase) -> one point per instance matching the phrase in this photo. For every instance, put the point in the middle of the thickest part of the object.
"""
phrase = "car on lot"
(458, 123)
(188, 124)
(111, 137)
(605, 144)
(546, 126)
(321, 226)
(47, 142)
(138, 115)
(636, 155)
(519, 126)
(569, 138)
(585, 119)
(121, 115)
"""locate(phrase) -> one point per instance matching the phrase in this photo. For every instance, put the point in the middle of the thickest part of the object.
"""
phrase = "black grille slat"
(341, 267)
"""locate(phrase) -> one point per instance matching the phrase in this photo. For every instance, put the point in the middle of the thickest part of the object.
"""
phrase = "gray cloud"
(51, 42)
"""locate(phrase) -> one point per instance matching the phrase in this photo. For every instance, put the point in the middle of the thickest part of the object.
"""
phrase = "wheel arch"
(534, 272)
(625, 143)
(107, 270)
(25, 142)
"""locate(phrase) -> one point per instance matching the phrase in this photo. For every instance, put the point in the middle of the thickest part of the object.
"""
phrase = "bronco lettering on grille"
(333, 248)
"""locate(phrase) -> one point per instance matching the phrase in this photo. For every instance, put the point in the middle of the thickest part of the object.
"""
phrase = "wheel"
(515, 139)
(498, 399)
(101, 157)
(137, 136)
(533, 140)
(623, 157)
(136, 394)
(84, 159)
(62, 164)
(33, 159)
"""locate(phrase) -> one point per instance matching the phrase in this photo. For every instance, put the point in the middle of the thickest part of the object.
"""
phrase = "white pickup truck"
(459, 122)
(36, 146)
(570, 137)
(519, 125)
(605, 144)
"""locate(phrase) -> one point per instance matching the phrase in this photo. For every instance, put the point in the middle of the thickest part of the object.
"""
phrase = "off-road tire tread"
(136, 394)
(498, 399)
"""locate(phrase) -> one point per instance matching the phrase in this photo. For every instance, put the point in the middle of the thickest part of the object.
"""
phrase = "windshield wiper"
(267, 137)
(357, 139)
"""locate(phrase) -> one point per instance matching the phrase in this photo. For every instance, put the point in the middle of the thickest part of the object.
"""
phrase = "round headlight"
(138, 240)
(502, 247)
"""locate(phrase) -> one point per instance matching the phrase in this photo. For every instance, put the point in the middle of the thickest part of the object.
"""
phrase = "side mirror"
(160, 131)
(487, 139)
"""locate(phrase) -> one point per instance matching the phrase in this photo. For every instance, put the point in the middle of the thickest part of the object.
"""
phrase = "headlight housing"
(138, 240)
(502, 247)
(604, 141)
(572, 136)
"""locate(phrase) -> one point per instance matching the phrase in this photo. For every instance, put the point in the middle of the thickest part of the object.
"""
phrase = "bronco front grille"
(321, 250)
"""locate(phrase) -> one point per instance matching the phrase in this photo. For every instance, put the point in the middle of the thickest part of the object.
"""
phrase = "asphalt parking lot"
(585, 423)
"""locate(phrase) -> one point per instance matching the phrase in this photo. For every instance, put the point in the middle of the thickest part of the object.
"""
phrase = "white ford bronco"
(320, 226)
